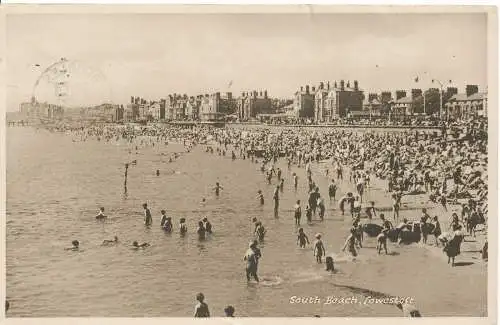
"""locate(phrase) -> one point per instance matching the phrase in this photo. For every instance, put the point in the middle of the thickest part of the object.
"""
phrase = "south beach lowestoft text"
(345, 300)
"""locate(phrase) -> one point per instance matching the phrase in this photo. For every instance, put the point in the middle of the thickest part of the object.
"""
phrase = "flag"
(416, 79)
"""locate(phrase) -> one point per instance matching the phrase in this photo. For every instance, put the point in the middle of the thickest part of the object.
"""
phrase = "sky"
(115, 56)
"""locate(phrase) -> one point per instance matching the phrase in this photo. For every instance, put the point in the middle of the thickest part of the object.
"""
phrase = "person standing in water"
(260, 196)
(167, 226)
(260, 231)
(319, 249)
(201, 231)
(148, 220)
(252, 262)
(308, 214)
(276, 198)
(163, 218)
(217, 188)
(302, 238)
(182, 226)
(201, 308)
(332, 190)
(207, 225)
(295, 181)
(100, 215)
(350, 243)
(297, 212)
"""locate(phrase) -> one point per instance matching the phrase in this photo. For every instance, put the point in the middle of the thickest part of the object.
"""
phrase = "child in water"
(110, 242)
(75, 247)
(350, 243)
(260, 196)
(100, 215)
(302, 238)
(135, 245)
(308, 214)
(319, 249)
(260, 231)
(167, 226)
(207, 225)
(148, 220)
(329, 264)
(163, 218)
(201, 231)
(297, 213)
(182, 226)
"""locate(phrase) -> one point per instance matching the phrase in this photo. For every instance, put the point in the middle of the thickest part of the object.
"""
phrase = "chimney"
(307, 89)
(400, 94)
(328, 85)
(321, 86)
(415, 93)
(450, 91)
(341, 84)
(265, 94)
(471, 90)
(385, 97)
(356, 85)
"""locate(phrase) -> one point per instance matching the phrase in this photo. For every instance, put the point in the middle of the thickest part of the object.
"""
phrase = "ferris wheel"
(63, 81)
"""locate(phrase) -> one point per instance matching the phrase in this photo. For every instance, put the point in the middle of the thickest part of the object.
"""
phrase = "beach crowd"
(448, 165)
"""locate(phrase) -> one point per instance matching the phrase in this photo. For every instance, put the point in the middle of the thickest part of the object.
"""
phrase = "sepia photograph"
(248, 164)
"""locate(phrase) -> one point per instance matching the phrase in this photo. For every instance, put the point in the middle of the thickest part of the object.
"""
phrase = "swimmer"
(75, 247)
(302, 238)
(110, 242)
(329, 264)
(135, 245)
(319, 249)
(229, 311)
(100, 215)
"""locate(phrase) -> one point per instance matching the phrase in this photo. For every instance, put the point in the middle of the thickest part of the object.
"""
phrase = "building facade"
(252, 103)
